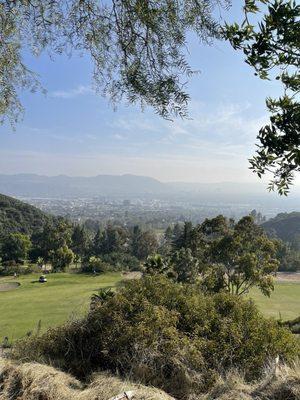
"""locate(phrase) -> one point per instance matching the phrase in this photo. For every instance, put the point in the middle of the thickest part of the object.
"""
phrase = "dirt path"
(288, 277)
(132, 275)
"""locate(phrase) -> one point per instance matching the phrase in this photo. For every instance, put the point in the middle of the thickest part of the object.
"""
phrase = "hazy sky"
(75, 132)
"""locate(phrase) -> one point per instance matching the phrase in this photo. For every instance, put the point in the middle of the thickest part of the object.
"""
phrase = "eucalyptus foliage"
(272, 47)
(138, 47)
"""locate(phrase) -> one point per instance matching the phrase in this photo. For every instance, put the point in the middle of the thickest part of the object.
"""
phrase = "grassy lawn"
(284, 301)
(64, 296)
(67, 295)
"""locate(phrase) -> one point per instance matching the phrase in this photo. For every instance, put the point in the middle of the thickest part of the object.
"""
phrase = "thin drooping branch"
(138, 47)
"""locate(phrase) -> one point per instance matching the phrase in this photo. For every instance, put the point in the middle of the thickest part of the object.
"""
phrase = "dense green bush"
(167, 335)
(111, 262)
(95, 265)
(122, 261)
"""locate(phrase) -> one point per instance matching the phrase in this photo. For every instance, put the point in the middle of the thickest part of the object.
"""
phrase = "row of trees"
(227, 255)
(61, 243)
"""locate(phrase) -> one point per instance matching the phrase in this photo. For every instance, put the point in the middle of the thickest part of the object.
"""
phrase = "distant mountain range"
(30, 185)
(133, 186)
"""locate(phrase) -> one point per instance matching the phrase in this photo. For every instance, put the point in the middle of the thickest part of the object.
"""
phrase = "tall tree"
(168, 235)
(258, 217)
(80, 240)
(15, 247)
(61, 258)
(243, 258)
(177, 231)
(215, 227)
(166, 241)
(184, 240)
(114, 239)
(97, 243)
(191, 238)
(185, 266)
(147, 245)
(135, 238)
(52, 237)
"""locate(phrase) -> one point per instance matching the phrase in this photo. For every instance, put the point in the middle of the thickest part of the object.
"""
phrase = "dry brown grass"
(288, 277)
(30, 381)
(284, 384)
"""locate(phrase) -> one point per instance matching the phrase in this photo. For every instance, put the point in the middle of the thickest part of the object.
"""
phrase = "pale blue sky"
(75, 132)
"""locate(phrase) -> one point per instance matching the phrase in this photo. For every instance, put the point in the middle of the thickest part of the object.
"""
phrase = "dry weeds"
(284, 384)
(30, 381)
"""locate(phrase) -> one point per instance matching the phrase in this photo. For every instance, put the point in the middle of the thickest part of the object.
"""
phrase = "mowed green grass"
(283, 303)
(67, 296)
(64, 296)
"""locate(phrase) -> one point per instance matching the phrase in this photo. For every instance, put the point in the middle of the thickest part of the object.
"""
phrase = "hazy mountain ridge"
(30, 185)
(132, 186)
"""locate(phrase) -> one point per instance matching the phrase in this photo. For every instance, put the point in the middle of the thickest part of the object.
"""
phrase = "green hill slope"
(285, 225)
(17, 216)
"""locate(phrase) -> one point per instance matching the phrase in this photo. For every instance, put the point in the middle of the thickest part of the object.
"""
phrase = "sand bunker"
(5, 287)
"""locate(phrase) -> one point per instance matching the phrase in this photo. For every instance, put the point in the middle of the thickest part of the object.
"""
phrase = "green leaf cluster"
(271, 46)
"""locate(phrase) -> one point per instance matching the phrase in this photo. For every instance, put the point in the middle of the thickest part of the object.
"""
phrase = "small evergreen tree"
(185, 266)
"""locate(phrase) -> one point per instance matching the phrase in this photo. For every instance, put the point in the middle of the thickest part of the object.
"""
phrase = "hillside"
(285, 225)
(17, 216)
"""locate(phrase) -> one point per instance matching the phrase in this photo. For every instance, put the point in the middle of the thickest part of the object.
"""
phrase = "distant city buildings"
(154, 213)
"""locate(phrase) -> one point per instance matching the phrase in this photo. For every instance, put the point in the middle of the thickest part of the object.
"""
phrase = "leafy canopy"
(243, 258)
(15, 247)
(223, 256)
(137, 46)
(272, 48)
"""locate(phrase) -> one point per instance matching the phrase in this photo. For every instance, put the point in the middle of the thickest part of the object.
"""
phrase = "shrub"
(61, 258)
(95, 264)
(10, 268)
(167, 335)
(111, 262)
(122, 261)
(100, 297)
